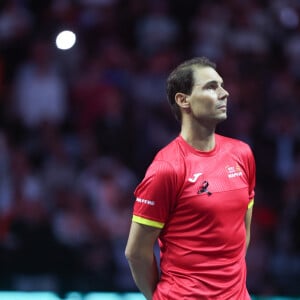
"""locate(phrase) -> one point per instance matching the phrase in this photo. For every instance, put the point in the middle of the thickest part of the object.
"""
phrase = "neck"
(201, 137)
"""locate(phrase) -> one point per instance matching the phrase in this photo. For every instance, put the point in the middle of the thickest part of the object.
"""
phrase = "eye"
(211, 86)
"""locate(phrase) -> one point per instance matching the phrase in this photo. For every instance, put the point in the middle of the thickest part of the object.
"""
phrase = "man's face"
(208, 100)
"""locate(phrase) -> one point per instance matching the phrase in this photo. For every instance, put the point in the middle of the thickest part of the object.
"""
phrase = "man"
(196, 199)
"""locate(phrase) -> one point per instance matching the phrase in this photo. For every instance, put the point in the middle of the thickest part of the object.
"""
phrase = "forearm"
(248, 218)
(145, 274)
(247, 239)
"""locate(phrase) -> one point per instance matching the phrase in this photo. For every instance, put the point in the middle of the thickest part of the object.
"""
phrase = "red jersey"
(199, 200)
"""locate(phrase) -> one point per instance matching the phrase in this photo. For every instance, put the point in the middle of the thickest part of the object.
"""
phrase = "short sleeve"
(155, 195)
(251, 173)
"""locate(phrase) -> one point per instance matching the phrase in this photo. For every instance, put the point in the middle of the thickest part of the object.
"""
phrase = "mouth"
(223, 107)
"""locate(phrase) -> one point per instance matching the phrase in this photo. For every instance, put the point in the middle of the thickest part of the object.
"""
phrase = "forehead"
(203, 75)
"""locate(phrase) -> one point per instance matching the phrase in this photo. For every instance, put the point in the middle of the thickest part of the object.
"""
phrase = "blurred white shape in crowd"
(65, 40)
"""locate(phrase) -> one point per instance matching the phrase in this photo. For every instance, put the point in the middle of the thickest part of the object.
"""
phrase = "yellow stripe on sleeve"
(148, 222)
(251, 203)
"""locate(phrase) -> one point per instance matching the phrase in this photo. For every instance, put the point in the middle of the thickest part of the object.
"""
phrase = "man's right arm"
(140, 255)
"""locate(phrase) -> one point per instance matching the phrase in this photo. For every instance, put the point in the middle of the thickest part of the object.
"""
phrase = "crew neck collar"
(197, 151)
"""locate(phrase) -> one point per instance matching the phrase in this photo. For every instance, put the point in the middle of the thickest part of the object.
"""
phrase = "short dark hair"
(181, 80)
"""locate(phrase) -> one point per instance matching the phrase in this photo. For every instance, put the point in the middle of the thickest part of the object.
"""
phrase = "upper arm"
(248, 218)
(141, 240)
(156, 195)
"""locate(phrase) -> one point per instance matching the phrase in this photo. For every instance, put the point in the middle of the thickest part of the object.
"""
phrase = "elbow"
(130, 254)
(247, 241)
(134, 255)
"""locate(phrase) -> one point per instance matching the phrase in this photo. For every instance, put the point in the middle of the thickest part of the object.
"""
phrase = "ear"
(182, 100)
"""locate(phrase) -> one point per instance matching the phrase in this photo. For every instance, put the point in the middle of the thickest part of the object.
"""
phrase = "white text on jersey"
(143, 201)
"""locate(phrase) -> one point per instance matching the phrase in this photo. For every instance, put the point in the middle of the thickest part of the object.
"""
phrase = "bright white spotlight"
(65, 40)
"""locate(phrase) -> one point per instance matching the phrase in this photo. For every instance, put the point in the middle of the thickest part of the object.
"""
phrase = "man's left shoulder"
(230, 140)
(234, 144)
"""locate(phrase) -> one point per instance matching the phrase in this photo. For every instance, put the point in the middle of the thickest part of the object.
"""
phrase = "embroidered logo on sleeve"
(144, 201)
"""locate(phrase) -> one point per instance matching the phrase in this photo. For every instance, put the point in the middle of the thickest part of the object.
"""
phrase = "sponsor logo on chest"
(233, 171)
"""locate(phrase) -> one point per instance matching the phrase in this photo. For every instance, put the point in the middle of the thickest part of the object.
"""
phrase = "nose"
(223, 93)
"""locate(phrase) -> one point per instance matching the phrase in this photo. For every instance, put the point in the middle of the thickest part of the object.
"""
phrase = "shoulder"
(171, 155)
(234, 145)
(168, 163)
(238, 150)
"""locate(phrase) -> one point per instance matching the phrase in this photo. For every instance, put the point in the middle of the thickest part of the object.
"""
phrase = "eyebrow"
(211, 82)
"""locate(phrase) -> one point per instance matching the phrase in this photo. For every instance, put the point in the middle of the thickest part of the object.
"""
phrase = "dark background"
(78, 128)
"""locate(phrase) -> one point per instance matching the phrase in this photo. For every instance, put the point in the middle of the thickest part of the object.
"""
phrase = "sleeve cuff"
(251, 203)
(147, 222)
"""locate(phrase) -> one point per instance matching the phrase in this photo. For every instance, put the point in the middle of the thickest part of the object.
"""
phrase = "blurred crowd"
(78, 128)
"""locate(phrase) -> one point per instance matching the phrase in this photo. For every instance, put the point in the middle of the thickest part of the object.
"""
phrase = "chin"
(221, 118)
